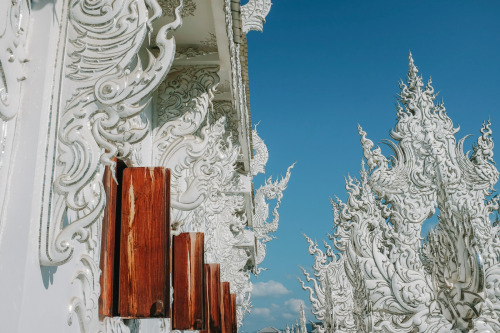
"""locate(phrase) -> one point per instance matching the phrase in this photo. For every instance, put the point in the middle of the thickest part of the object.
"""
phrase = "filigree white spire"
(303, 327)
(397, 282)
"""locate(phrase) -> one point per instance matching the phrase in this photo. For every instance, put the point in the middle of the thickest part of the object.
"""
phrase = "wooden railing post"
(144, 284)
(188, 308)
(225, 305)
(212, 299)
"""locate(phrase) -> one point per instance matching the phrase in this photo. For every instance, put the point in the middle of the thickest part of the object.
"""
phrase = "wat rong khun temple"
(127, 200)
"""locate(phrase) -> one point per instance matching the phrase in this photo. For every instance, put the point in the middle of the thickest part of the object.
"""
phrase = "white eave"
(208, 32)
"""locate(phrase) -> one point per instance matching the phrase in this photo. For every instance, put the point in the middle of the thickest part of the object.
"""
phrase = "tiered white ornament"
(207, 191)
(398, 281)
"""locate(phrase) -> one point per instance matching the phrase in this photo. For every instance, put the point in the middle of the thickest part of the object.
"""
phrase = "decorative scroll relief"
(225, 109)
(104, 91)
(103, 87)
(269, 191)
(331, 295)
(14, 18)
(253, 14)
(192, 142)
(448, 283)
(177, 95)
(13, 30)
(261, 155)
(181, 141)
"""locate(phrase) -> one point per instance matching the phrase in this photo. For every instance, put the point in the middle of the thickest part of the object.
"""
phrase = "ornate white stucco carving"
(259, 159)
(401, 283)
(14, 19)
(13, 31)
(303, 327)
(238, 88)
(190, 138)
(102, 90)
(262, 228)
(225, 109)
(181, 141)
(331, 293)
(107, 85)
(253, 14)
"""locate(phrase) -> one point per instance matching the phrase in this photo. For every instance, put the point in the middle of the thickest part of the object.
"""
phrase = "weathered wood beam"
(225, 306)
(144, 284)
(212, 299)
(188, 308)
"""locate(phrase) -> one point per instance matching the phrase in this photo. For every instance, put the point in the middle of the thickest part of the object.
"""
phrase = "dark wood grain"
(188, 308)
(212, 299)
(234, 321)
(225, 305)
(145, 243)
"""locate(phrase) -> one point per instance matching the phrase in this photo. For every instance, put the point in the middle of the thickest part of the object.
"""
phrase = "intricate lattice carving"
(182, 143)
(177, 94)
(399, 284)
(253, 14)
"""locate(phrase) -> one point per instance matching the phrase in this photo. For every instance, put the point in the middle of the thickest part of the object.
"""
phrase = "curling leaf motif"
(104, 87)
(398, 281)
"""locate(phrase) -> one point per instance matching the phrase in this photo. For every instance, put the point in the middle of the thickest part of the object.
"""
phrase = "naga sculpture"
(382, 276)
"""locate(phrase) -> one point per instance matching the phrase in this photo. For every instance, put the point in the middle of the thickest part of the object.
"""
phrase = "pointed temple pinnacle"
(412, 69)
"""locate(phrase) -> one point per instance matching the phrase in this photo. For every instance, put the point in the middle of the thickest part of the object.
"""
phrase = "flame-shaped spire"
(414, 81)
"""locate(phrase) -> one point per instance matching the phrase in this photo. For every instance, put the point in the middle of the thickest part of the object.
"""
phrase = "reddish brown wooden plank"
(225, 305)
(145, 243)
(108, 260)
(212, 299)
(234, 321)
(188, 308)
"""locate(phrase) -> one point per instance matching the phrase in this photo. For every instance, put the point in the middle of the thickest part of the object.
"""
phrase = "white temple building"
(86, 85)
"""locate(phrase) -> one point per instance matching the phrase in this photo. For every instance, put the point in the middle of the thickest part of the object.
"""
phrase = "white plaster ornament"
(381, 275)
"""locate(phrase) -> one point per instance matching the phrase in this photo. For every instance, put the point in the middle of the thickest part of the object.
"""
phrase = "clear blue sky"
(320, 68)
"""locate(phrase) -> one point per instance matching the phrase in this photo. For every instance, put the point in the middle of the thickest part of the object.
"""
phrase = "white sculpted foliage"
(103, 87)
(262, 228)
(206, 188)
(397, 281)
(107, 89)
